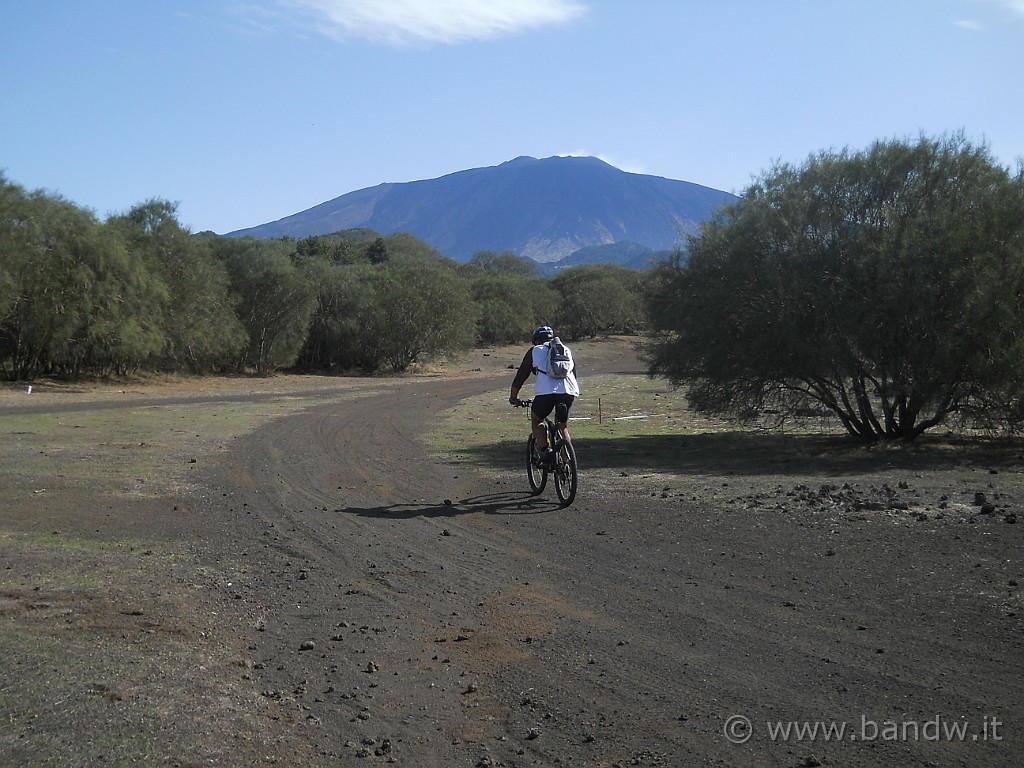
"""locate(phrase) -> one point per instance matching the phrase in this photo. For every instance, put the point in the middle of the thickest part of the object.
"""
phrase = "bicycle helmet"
(543, 334)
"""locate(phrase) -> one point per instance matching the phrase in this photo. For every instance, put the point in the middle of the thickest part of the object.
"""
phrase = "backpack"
(559, 359)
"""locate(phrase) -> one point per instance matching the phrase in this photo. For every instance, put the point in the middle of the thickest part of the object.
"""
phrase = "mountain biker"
(549, 392)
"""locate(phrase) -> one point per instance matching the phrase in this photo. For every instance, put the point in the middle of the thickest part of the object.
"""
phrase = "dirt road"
(372, 603)
(410, 611)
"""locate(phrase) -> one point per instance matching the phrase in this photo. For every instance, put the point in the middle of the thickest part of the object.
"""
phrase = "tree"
(12, 199)
(373, 316)
(199, 324)
(124, 304)
(275, 300)
(506, 262)
(334, 339)
(402, 245)
(389, 312)
(421, 308)
(884, 286)
(74, 299)
(377, 251)
(599, 300)
(330, 248)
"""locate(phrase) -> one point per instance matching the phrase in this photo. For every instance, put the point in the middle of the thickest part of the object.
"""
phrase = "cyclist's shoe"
(541, 458)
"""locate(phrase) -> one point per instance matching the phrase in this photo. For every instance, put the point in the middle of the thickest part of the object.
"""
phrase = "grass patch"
(128, 452)
(610, 421)
(628, 423)
(140, 451)
(74, 543)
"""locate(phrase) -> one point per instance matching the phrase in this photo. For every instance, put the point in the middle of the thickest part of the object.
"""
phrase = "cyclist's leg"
(562, 407)
(542, 406)
(540, 430)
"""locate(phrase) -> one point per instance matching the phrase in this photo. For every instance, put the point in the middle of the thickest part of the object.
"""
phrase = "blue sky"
(245, 111)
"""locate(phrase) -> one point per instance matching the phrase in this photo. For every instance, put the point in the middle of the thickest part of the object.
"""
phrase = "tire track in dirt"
(346, 494)
(353, 511)
(622, 630)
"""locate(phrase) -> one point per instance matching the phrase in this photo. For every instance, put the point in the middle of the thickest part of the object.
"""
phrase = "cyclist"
(549, 392)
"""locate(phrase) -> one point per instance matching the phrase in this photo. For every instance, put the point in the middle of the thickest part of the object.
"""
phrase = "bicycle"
(561, 461)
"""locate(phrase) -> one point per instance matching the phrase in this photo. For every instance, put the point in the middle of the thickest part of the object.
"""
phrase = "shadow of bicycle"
(504, 503)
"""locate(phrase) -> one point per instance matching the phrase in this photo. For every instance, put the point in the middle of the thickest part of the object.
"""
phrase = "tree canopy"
(884, 286)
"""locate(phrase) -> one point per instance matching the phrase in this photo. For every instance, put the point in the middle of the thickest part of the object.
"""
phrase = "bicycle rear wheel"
(538, 476)
(566, 478)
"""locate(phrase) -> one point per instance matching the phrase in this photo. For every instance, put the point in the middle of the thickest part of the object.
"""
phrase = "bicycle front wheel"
(566, 478)
(538, 476)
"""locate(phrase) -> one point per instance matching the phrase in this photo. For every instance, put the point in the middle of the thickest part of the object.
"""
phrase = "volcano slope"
(329, 589)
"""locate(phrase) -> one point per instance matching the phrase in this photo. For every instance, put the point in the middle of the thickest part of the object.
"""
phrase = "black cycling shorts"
(544, 404)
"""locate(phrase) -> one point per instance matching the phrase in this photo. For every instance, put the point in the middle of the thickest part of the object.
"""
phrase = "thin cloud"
(575, 153)
(1014, 6)
(409, 22)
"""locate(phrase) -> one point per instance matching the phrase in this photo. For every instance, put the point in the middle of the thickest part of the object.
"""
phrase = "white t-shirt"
(551, 385)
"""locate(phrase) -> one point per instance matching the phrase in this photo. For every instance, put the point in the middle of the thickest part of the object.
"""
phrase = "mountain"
(542, 209)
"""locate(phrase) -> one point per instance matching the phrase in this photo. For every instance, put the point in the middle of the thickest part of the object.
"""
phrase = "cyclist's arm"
(525, 369)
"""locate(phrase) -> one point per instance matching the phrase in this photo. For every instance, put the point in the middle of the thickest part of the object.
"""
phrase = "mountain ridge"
(543, 209)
